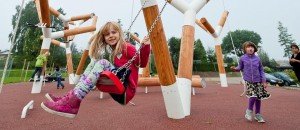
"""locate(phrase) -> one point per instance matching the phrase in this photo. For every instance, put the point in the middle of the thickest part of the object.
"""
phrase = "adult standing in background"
(295, 60)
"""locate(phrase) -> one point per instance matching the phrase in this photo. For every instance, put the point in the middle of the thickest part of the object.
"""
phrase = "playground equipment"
(44, 10)
(176, 93)
(204, 24)
(69, 40)
(176, 90)
(28, 106)
(145, 80)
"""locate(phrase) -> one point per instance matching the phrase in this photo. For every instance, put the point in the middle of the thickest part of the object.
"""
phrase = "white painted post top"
(148, 3)
(182, 5)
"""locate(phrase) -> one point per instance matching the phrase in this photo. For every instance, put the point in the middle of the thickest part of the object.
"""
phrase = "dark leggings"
(59, 82)
(39, 70)
(297, 73)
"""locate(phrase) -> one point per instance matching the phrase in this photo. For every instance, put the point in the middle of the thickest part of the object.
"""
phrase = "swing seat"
(110, 83)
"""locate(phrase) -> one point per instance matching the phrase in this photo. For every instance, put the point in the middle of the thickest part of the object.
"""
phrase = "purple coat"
(252, 68)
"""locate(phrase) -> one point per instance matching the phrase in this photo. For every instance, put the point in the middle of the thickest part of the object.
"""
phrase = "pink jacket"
(133, 77)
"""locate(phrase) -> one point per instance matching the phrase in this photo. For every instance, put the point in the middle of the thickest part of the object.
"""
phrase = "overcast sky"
(261, 16)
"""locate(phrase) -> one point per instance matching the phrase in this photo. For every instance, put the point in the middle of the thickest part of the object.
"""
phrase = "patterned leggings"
(90, 76)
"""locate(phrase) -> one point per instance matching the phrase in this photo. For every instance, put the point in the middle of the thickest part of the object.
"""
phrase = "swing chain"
(156, 19)
(136, 17)
(127, 65)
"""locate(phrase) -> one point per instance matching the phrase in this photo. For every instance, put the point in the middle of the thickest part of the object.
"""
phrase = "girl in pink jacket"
(110, 38)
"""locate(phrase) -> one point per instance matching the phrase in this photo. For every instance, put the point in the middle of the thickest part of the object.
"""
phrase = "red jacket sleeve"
(144, 54)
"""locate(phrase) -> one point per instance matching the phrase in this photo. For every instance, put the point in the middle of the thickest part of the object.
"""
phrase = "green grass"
(9, 80)
(14, 76)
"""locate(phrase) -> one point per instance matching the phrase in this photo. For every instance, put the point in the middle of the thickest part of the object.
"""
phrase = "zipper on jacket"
(251, 67)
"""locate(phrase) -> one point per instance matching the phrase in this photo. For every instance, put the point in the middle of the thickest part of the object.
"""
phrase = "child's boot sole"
(259, 121)
(56, 112)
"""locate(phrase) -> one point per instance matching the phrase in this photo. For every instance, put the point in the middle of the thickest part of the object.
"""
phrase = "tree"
(199, 52)
(26, 38)
(174, 47)
(273, 64)
(239, 37)
(211, 56)
(285, 39)
(228, 59)
(264, 57)
(127, 34)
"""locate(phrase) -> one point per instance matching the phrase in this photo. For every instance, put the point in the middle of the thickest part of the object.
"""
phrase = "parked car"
(288, 81)
(273, 80)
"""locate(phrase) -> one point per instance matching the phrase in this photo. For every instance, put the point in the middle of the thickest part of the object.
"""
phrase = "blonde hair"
(98, 45)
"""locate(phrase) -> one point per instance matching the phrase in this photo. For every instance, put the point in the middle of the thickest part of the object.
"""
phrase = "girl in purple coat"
(255, 80)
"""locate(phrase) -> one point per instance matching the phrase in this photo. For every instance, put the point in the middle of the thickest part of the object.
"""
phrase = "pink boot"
(68, 106)
(53, 98)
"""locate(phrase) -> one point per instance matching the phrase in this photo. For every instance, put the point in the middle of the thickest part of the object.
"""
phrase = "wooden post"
(146, 70)
(154, 81)
(169, 86)
(159, 47)
(198, 22)
(43, 7)
(45, 13)
(81, 64)
(38, 9)
(222, 22)
(218, 49)
(82, 61)
(54, 12)
(135, 37)
(74, 18)
(220, 59)
(185, 67)
(75, 31)
(69, 54)
(209, 28)
(82, 17)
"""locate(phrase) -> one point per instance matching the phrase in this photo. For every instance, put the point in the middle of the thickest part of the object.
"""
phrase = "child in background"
(40, 60)
(58, 77)
(255, 80)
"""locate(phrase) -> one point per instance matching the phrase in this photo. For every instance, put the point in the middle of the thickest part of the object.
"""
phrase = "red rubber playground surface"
(212, 108)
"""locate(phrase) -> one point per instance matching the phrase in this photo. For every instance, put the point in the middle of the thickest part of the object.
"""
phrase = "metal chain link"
(156, 20)
(129, 63)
